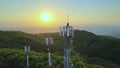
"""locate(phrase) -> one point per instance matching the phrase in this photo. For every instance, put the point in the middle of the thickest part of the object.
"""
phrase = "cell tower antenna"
(67, 18)
(67, 33)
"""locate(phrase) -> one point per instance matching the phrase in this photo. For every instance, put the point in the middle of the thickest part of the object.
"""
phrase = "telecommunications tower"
(49, 42)
(67, 33)
(27, 50)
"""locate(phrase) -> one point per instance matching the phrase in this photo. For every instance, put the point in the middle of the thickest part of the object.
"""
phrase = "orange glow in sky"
(49, 15)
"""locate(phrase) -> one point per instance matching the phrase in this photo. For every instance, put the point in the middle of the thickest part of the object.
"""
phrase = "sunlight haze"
(27, 15)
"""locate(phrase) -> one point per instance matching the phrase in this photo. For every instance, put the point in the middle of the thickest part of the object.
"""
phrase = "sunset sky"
(26, 15)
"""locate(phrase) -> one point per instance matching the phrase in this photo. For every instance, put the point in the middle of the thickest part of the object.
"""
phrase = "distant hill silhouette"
(92, 45)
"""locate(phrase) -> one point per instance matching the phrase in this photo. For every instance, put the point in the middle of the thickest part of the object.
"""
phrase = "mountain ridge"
(85, 44)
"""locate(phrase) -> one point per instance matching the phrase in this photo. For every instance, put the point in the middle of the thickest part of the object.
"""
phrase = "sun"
(46, 17)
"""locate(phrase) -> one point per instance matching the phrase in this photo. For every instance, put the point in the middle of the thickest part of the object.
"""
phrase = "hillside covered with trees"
(88, 50)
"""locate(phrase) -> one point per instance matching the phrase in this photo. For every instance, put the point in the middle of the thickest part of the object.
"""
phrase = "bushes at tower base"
(14, 58)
